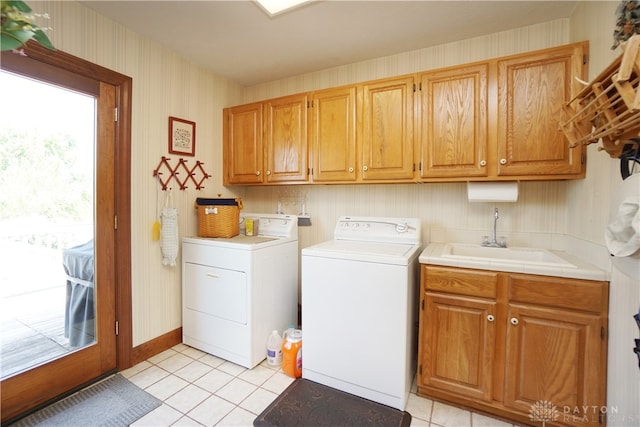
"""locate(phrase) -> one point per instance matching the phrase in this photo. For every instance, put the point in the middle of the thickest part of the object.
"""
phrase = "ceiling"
(240, 41)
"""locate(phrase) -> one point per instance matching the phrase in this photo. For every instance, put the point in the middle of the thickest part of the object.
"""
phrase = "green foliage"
(17, 26)
(40, 176)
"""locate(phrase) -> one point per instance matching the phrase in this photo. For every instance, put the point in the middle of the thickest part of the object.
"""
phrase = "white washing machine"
(359, 308)
(235, 291)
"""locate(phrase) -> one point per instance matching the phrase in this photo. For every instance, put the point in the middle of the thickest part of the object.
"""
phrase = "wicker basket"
(218, 217)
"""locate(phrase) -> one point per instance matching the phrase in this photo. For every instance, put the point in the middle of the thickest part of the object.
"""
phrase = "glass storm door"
(56, 235)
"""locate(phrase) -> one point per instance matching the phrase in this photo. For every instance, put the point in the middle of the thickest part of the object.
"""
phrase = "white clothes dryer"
(359, 308)
(236, 290)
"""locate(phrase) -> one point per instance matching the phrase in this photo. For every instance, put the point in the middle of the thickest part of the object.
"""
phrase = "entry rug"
(114, 402)
(307, 403)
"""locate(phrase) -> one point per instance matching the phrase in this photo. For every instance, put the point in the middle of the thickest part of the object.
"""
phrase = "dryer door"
(216, 292)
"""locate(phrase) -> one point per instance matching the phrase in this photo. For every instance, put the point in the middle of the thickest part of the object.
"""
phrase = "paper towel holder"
(492, 191)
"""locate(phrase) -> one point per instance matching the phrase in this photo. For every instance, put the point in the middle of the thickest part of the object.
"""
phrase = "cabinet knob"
(257, 173)
(350, 170)
(483, 163)
(490, 318)
(365, 168)
(503, 161)
(268, 173)
(514, 321)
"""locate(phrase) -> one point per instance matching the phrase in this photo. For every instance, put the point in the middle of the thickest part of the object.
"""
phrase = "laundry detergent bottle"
(274, 349)
(292, 354)
(286, 332)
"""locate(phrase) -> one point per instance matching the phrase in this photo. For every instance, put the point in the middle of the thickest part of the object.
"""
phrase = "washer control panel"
(379, 229)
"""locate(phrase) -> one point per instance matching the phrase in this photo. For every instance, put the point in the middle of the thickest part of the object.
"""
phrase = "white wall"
(588, 201)
(599, 195)
(541, 207)
(165, 85)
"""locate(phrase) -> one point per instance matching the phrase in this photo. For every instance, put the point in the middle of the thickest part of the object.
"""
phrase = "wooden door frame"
(122, 184)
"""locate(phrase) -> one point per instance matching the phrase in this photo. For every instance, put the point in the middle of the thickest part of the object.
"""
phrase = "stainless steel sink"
(510, 255)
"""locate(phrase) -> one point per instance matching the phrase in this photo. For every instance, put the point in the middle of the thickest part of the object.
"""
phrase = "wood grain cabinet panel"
(458, 345)
(554, 355)
(454, 122)
(286, 139)
(534, 339)
(242, 148)
(476, 283)
(386, 109)
(532, 91)
(333, 135)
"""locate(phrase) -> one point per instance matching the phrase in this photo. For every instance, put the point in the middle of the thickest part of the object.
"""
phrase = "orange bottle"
(292, 354)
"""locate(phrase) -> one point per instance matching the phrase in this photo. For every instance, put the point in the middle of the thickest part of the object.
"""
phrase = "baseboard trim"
(157, 345)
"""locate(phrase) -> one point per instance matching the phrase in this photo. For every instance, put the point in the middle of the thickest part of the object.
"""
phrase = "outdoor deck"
(32, 330)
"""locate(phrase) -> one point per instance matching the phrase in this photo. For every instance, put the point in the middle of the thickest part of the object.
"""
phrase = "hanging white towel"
(622, 236)
(169, 232)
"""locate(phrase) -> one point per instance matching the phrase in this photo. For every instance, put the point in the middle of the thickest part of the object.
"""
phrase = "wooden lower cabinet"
(527, 348)
(459, 345)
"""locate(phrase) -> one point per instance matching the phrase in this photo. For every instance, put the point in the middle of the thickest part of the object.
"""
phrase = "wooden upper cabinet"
(496, 119)
(333, 135)
(286, 139)
(386, 109)
(453, 122)
(242, 148)
(532, 89)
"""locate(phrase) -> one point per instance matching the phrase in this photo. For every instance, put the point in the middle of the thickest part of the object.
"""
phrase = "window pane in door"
(47, 152)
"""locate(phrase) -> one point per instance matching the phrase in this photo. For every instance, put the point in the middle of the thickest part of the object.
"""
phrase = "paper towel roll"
(492, 191)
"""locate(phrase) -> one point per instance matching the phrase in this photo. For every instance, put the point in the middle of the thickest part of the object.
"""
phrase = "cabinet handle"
(213, 276)
(490, 318)
(350, 170)
(503, 161)
(365, 168)
(514, 321)
(483, 163)
(268, 173)
(257, 173)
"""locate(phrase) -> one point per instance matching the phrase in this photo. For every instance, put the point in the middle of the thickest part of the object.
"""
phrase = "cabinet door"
(286, 139)
(242, 142)
(453, 125)
(387, 129)
(532, 90)
(333, 135)
(457, 345)
(554, 356)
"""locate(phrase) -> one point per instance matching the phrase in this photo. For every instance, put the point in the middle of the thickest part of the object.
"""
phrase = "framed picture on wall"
(182, 137)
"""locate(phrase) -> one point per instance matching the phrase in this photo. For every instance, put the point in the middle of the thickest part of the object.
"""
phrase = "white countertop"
(433, 254)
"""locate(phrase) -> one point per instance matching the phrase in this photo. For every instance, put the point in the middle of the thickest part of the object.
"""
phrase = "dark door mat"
(307, 403)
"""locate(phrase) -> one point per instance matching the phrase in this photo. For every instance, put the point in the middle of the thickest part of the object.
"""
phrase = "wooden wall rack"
(609, 107)
(164, 172)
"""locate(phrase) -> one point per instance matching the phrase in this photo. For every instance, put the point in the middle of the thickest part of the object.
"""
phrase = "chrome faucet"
(494, 243)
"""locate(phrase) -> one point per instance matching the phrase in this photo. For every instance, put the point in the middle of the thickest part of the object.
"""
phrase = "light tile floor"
(198, 389)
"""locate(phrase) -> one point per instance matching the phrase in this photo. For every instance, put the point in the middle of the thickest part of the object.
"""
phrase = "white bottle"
(274, 349)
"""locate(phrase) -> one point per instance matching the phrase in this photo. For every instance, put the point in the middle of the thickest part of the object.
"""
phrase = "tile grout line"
(235, 372)
(234, 376)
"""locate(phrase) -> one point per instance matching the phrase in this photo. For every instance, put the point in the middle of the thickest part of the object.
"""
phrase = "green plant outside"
(18, 27)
